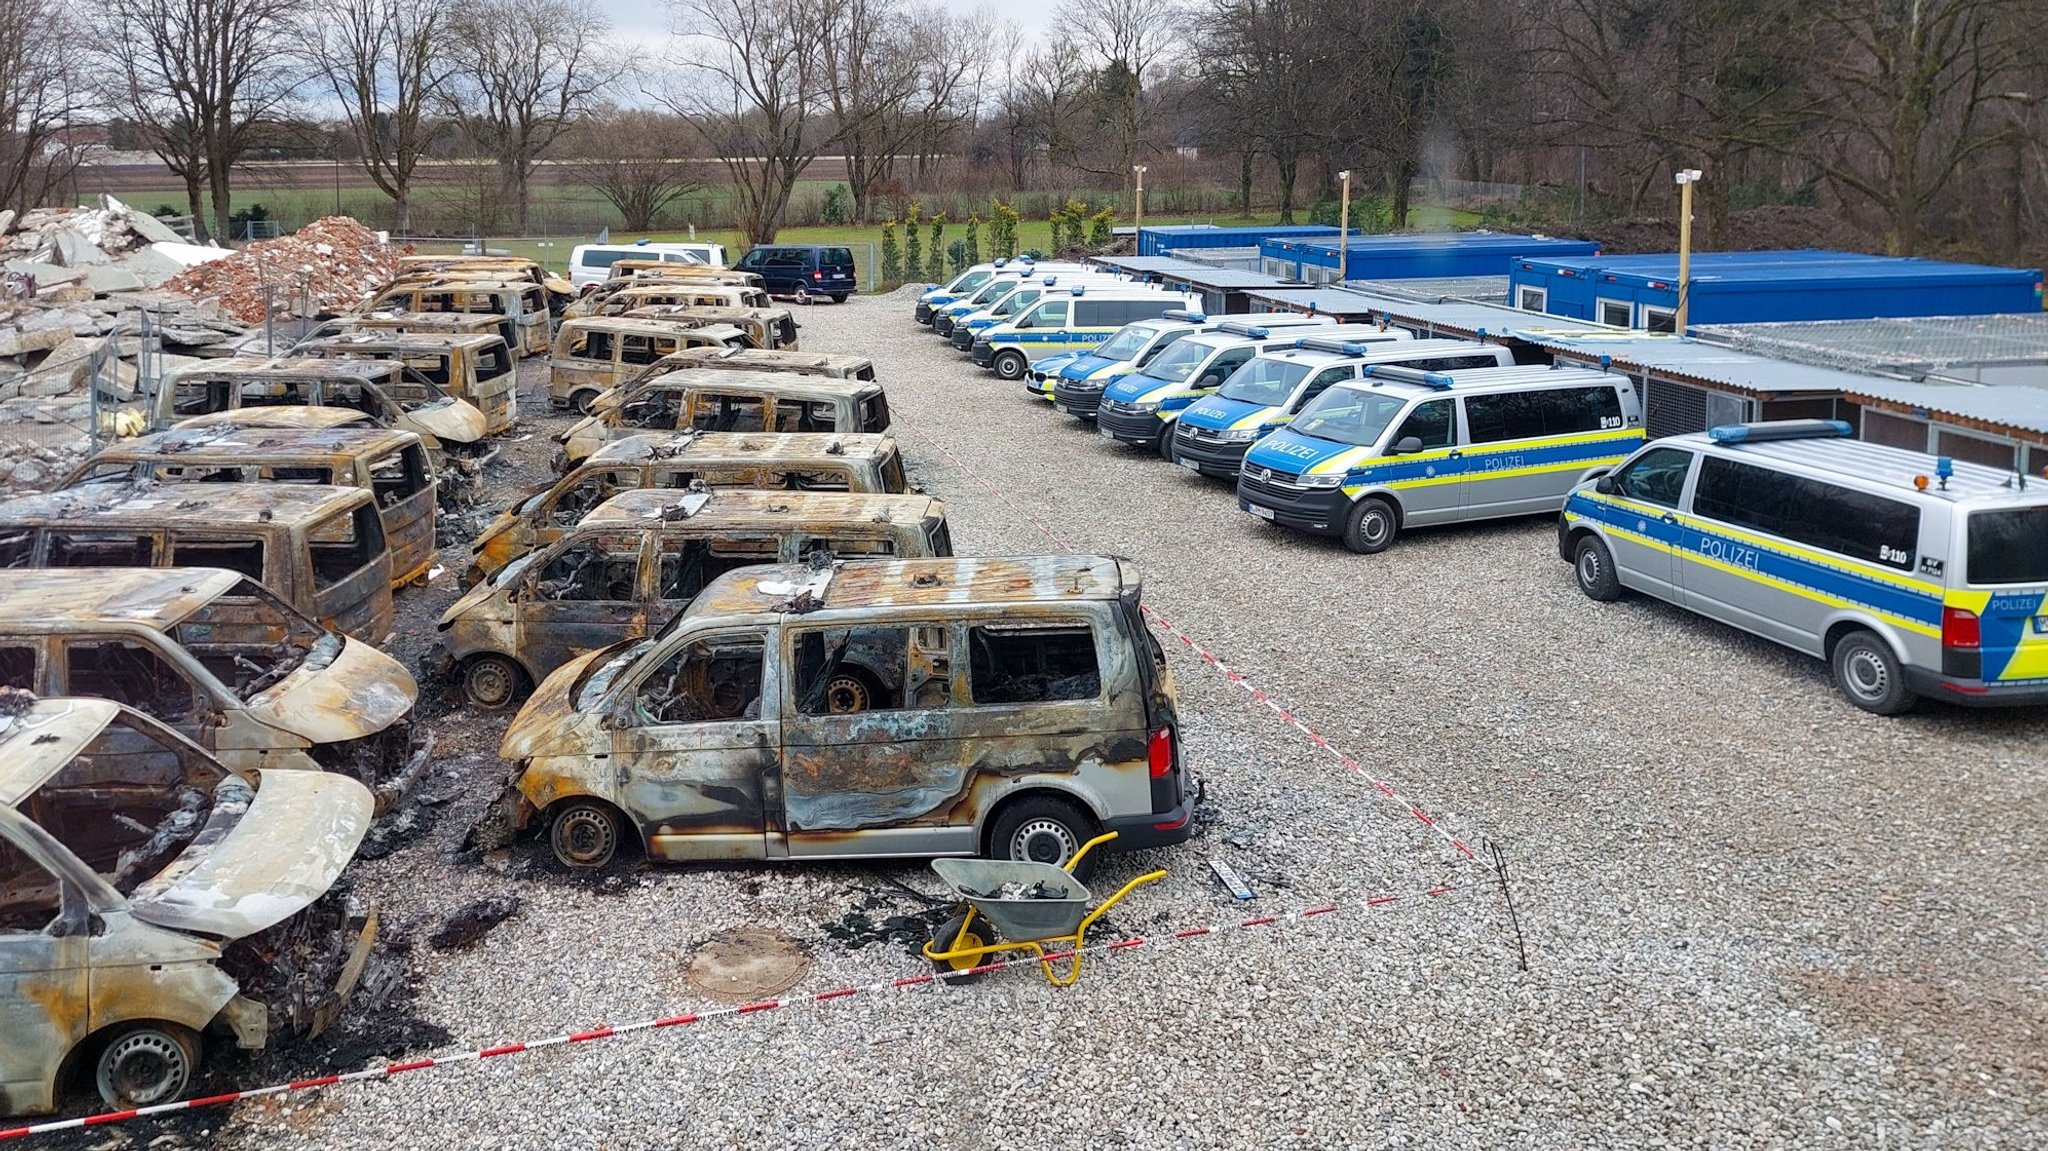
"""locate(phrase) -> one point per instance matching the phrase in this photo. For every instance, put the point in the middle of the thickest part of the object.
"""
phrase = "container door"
(695, 744)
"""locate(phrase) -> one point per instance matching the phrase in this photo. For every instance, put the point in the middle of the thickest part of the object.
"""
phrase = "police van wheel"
(1595, 567)
(1041, 829)
(1011, 366)
(1869, 674)
(1371, 526)
(1166, 445)
(492, 681)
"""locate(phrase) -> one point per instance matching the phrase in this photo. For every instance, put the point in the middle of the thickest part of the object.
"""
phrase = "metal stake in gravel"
(1286, 716)
(1155, 944)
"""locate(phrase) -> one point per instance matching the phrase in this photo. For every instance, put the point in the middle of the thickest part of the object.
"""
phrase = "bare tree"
(205, 79)
(1284, 79)
(870, 61)
(525, 70)
(754, 89)
(1052, 95)
(1127, 38)
(387, 62)
(638, 160)
(37, 101)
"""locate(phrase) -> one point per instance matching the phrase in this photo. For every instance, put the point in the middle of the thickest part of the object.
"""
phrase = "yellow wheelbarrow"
(1013, 906)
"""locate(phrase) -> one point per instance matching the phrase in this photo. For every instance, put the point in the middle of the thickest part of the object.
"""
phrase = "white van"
(1072, 320)
(973, 278)
(591, 264)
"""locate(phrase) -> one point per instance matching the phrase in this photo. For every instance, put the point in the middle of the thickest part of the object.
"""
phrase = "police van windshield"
(2009, 546)
(1349, 416)
(1015, 302)
(969, 281)
(993, 291)
(1126, 344)
(1265, 382)
(1179, 362)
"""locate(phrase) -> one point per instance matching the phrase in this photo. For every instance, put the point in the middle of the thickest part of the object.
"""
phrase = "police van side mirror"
(1604, 485)
(1407, 445)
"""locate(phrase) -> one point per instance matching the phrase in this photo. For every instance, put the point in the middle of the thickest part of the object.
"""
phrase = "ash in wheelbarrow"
(1013, 906)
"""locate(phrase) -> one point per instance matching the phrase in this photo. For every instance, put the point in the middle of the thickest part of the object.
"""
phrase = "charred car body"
(1009, 707)
(220, 659)
(780, 462)
(727, 401)
(131, 864)
(641, 556)
(524, 302)
(479, 369)
(767, 328)
(595, 354)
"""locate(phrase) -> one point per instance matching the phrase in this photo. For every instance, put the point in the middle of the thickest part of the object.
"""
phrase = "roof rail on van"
(1767, 430)
(1239, 328)
(1441, 381)
(1333, 344)
(1186, 314)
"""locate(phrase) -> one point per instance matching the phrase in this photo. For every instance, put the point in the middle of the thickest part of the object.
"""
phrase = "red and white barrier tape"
(1286, 715)
(1153, 943)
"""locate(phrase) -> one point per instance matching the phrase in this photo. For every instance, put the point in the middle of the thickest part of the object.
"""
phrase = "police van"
(965, 327)
(1131, 348)
(1212, 435)
(974, 278)
(1911, 575)
(1402, 447)
(946, 318)
(1190, 369)
(1082, 317)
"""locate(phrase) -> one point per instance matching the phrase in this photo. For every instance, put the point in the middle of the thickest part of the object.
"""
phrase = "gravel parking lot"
(1754, 916)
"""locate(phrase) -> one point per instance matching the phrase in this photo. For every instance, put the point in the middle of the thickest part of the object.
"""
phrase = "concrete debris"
(324, 267)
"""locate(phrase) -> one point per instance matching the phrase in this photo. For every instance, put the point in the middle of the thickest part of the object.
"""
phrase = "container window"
(1615, 313)
(1532, 299)
(1033, 663)
(710, 680)
(1810, 512)
(2008, 547)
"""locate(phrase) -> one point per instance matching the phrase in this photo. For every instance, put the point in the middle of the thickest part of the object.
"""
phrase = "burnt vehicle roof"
(49, 733)
(294, 367)
(950, 582)
(782, 383)
(229, 441)
(716, 311)
(286, 416)
(636, 325)
(479, 322)
(40, 600)
(769, 358)
(147, 505)
(745, 506)
(378, 340)
(742, 447)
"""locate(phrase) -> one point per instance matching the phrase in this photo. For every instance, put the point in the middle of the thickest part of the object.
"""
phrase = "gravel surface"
(1754, 916)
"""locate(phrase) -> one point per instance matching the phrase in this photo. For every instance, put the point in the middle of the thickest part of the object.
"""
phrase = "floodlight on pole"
(1138, 224)
(1685, 180)
(1344, 225)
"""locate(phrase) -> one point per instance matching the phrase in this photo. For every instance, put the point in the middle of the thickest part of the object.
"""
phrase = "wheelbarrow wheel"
(982, 934)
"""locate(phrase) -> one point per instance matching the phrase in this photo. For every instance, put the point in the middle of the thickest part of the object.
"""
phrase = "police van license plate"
(1109, 435)
(1188, 464)
(1059, 407)
(1262, 513)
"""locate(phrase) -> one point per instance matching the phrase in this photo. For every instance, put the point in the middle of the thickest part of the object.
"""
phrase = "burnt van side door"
(585, 595)
(695, 731)
(875, 757)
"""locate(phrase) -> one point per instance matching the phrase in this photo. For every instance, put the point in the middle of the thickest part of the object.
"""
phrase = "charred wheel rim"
(582, 402)
(490, 681)
(1044, 840)
(144, 1067)
(584, 836)
(847, 694)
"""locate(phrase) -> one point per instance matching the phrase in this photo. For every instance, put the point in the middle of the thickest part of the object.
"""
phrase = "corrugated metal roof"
(1478, 289)
(1222, 279)
(1956, 346)
(1148, 265)
(1322, 301)
(1805, 266)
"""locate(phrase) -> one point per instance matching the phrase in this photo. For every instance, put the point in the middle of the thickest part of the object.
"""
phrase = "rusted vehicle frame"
(133, 869)
(220, 659)
(833, 364)
(523, 301)
(576, 377)
(320, 548)
(622, 294)
(696, 745)
(424, 323)
(460, 365)
(391, 465)
(769, 328)
(638, 558)
(717, 400)
(784, 461)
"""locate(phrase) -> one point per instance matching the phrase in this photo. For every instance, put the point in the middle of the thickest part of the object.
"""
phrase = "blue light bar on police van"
(1252, 331)
(1768, 430)
(1078, 290)
(1441, 381)
(1329, 344)
(1184, 315)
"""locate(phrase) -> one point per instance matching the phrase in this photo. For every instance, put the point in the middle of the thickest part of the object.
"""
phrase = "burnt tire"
(1041, 829)
(1593, 567)
(582, 401)
(982, 934)
(584, 834)
(1371, 526)
(142, 1064)
(492, 682)
(1010, 365)
(1869, 674)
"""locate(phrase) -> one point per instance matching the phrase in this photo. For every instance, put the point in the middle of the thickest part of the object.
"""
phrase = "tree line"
(1921, 121)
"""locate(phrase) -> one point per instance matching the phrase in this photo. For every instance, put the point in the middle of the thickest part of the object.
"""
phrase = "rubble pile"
(328, 265)
(74, 283)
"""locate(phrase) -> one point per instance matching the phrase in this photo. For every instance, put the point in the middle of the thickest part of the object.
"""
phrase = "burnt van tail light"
(1159, 750)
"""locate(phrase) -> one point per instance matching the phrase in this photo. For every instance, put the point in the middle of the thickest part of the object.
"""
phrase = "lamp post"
(1343, 224)
(1686, 179)
(1138, 224)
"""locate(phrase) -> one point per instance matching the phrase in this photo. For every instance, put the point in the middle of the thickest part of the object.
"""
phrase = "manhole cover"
(747, 964)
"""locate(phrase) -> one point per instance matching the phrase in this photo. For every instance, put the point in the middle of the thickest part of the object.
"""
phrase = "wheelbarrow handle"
(1082, 854)
(1105, 905)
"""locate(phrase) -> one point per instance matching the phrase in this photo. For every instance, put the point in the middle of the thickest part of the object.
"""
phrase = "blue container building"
(1178, 237)
(1760, 287)
(1410, 256)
